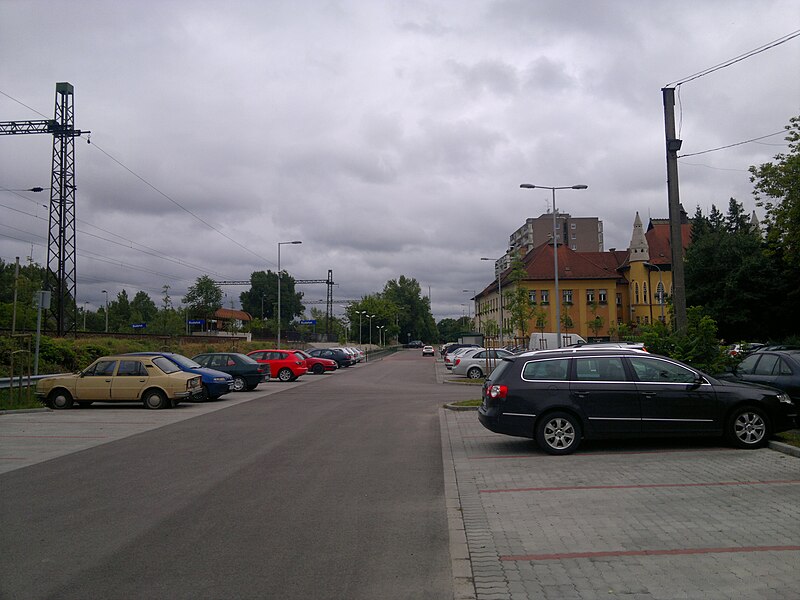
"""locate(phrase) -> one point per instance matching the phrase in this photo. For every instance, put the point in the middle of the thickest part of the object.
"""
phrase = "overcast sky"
(390, 137)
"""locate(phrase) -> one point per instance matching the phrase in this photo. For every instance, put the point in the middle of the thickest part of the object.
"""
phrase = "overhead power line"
(179, 205)
(732, 61)
(732, 145)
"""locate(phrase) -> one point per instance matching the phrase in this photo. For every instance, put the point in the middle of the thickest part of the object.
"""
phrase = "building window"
(589, 296)
(636, 292)
(545, 296)
(532, 296)
(603, 296)
(660, 293)
(574, 236)
(573, 226)
(645, 297)
(567, 296)
(619, 299)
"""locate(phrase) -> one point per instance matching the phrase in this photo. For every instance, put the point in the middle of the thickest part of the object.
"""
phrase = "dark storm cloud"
(390, 138)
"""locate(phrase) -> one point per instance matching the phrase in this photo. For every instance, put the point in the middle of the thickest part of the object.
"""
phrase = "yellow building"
(599, 290)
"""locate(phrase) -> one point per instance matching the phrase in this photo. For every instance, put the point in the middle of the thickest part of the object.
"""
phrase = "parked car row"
(164, 379)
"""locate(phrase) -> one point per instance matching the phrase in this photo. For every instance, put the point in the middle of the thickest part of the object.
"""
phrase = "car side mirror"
(698, 380)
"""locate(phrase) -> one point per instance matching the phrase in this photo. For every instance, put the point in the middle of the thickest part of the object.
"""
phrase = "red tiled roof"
(658, 241)
(571, 264)
(229, 313)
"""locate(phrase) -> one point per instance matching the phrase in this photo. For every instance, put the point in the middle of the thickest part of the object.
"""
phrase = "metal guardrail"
(24, 380)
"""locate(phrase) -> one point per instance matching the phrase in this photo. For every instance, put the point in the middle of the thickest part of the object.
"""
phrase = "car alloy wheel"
(748, 428)
(285, 375)
(474, 373)
(239, 384)
(558, 433)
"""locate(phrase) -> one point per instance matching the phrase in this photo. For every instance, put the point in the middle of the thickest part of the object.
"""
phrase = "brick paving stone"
(680, 500)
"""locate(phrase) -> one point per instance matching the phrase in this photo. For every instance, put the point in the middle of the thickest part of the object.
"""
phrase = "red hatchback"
(284, 365)
(317, 365)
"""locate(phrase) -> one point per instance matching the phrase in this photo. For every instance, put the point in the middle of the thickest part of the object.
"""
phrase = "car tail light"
(498, 391)
(458, 360)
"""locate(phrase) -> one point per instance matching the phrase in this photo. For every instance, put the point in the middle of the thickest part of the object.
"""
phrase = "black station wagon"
(563, 396)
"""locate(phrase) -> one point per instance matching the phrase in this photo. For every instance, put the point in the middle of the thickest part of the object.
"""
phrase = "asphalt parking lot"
(640, 520)
(30, 437)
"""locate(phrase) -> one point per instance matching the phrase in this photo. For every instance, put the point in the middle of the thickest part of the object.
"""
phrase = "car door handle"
(648, 394)
(580, 394)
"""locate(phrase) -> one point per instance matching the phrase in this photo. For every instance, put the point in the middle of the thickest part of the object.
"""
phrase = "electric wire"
(736, 59)
(732, 145)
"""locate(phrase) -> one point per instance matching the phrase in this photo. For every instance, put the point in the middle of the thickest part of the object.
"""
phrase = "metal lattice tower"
(61, 239)
(61, 236)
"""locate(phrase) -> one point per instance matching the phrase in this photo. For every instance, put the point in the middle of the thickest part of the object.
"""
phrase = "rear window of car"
(498, 370)
(556, 369)
(599, 368)
(166, 365)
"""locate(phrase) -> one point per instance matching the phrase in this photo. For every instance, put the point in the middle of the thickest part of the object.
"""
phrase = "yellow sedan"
(152, 380)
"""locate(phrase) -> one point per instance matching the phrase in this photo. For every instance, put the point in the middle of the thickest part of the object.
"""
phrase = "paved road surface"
(331, 489)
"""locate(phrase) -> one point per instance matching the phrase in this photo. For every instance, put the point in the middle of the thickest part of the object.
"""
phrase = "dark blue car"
(215, 383)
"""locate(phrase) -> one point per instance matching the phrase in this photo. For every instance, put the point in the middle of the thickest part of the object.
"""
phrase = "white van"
(549, 341)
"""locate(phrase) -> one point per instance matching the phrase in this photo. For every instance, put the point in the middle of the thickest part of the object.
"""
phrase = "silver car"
(477, 363)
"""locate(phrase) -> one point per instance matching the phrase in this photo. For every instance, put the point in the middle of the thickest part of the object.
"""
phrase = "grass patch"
(21, 399)
(477, 402)
(466, 381)
(789, 437)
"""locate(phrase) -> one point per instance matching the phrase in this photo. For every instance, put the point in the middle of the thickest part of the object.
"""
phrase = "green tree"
(777, 189)
(203, 298)
(119, 313)
(143, 309)
(728, 272)
(261, 300)
(518, 303)
(414, 315)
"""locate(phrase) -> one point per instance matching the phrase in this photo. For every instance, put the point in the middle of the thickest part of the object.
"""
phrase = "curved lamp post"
(557, 299)
(499, 293)
(279, 286)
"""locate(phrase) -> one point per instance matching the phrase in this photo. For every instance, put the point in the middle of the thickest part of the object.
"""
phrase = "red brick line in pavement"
(640, 486)
(616, 553)
(57, 437)
(90, 422)
(591, 454)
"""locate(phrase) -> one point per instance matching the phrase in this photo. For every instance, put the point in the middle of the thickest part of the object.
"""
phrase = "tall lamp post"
(106, 293)
(475, 311)
(381, 334)
(370, 328)
(499, 293)
(660, 289)
(360, 312)
(279, 286)
(530, 186)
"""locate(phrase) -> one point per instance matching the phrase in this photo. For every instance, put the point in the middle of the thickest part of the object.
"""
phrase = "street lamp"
(279, 287)
(499, 293)
(381, 334)
(557, 299)
(475, 300)
(360, 312)
(106, 293)
(660, 289)
(370, 328)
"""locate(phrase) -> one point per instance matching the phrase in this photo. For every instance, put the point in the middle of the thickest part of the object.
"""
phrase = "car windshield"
(498, 370)
(303, 354)
(165, 365)
(186, 363)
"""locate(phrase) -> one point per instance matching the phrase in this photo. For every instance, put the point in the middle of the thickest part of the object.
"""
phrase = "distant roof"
(229, 313)
(658, 242)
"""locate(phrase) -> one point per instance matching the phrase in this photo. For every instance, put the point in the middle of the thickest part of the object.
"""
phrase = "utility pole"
(675, 238)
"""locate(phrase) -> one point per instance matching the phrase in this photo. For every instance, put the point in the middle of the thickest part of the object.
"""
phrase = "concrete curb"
(25, 410)
(456, 407)
(460, 560)
(785, 448)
